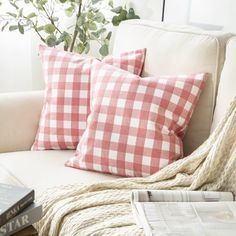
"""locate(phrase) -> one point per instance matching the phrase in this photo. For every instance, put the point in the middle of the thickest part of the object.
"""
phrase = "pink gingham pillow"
(67, 95)
(130, 61)
(136, 124)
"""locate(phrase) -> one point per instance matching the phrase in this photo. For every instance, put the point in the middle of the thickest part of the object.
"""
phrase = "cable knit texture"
(104, 208)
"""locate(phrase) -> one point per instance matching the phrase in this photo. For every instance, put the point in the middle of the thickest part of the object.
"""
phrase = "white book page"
(180, 196)
(188, 219)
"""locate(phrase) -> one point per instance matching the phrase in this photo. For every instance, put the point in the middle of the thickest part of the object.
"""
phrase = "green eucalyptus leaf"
(12, 14)
(99, 17)
(131, 14)
(96, 1)
(92, 26)
(106, 41)
(87, 48)
(13, 27)
(4, 26)
(49, 28)
(27, 1)
(81, 20)
(85, 25)
(31, 15)
(90, 15)
(40, 28)
(95, 35)
(64, 37)
(51, 40)
(104, 50)
(68, 40)
(109, 35)
(21, 28)
(63, 1)
(111, 4)
(70, 11)
(115, 20)
(82, 36)
(54, 18)
(41, 2)
(20, 12)
(80, 48)
(14, 5)
(101, 31)
(123, 15)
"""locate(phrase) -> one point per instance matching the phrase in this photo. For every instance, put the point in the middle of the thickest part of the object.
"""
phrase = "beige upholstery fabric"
(171, 50)
(174, 50)
(43, 169)
(19, 118)
(227, 85)
(104, 209)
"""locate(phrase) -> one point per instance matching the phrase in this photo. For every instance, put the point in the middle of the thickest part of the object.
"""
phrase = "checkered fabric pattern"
(67, 96)
(132, 61)
(135, 124)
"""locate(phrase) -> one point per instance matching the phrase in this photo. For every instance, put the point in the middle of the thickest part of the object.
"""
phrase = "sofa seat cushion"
(44, 169)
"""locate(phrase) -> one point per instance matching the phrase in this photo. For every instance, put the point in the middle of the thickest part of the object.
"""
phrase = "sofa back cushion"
(175, 50)
(227, 85)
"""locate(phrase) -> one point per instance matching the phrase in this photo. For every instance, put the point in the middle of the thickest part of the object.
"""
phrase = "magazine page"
(173, 196)
(180, 196)
(188, 218)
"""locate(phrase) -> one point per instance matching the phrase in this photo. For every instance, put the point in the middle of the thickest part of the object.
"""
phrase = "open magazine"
(184, 213)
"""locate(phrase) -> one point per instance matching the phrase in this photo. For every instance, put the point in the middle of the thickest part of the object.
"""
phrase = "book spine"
(28, 217)
(17, 208)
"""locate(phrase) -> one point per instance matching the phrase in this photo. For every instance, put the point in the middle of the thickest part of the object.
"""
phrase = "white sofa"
(170, 50)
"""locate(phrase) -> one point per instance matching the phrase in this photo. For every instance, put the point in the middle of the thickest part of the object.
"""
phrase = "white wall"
(214, 12)
(36, 69)
(15, 63)
(153, 8)
(20, 67)
(176, 11)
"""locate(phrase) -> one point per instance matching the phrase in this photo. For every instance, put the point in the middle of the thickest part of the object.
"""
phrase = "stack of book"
(17, 209)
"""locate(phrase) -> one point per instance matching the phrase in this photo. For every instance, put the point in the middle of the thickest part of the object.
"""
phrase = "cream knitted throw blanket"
(104, 208)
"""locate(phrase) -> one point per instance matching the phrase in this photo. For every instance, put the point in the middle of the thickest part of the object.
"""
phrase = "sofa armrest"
(19, 119)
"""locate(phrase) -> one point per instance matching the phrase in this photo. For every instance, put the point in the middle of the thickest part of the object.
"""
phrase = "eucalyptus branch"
(90, 22)
(35, 29)
(51, 20)
(40, 36)
(76, 31)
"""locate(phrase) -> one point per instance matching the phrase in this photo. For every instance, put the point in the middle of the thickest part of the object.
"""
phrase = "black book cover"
(13, 200)
(29, 216)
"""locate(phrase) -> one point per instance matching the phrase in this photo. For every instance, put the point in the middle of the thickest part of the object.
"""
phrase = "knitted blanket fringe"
(104, 208)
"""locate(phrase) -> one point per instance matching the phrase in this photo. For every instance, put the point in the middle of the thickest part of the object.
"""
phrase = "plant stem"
(76, 27)
(35, 29)
(40, 36)
(51, 20)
